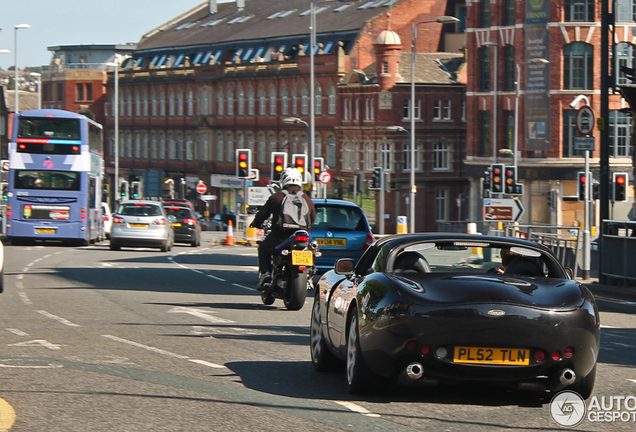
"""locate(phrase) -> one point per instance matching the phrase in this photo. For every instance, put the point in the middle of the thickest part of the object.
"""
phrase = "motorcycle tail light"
(159, 221)
(411, 345)
(302, 268)
(568, 352)
(302, 238)
(368, 241)
(426, 349)
(118, 220)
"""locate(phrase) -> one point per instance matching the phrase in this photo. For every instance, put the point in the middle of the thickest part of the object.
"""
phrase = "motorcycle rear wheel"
(296, 289)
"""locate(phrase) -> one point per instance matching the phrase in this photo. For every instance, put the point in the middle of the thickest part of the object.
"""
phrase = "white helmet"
(291, 176)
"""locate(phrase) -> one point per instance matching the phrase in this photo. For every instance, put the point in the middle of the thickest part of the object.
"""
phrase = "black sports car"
(447, 308)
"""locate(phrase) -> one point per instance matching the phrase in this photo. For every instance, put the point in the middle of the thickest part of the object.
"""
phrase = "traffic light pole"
(586, 219)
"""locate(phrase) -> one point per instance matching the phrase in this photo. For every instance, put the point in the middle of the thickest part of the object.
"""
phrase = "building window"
(153, 103)
(509, 16)
(179, 143)
(80, 92)
(620, 134)
(272, 143)
(578, 10)
(229, 148)
(463, 109)
(137, 145)
(262, 150)
(250, 142)
(446, 110)
(220, 147)
(240, 141)
(272, 101)
(369, 109)
(437, 109)
(137, 104)
(509, 68)
(347, 159)
(347, 109)
(441, 205)
(144, 145)
(484, 133)
(440, 157)
(304, 101)
(406, 148)
(578, 66)
(294, 141)
(206, 147)
(172, 147)
(171, 102)
(484, 69)
(284, 101)
(406, 111)
(162, 146)
(144, 102)
(294, 101)
(625, 10)
(162, 103)
(180, 102)
(386, 151)
(569, 133)
(189, 147)
(385, 67)
(484, 13)
(331, 151)
(240, 94)
(220, 103)
(318, 99)
(357, 107)
(230, 102)
(624, 57)
(331, 100)
(369, 159)
(318, 145)
(262, 100)
(153, 146)
(250, 101)
(190, 102)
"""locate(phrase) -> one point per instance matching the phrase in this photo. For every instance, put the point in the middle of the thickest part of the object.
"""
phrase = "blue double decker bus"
(56, 165)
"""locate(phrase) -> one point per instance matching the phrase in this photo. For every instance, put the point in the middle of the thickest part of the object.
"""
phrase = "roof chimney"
(240, 5)
(213, 7)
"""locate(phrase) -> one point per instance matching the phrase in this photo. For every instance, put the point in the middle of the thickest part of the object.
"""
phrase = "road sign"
(257, 196)
(5, 165)
(208, 197)
(585, 120)
(202, 188)
(503, 210)
(584, 143)
(324, 177)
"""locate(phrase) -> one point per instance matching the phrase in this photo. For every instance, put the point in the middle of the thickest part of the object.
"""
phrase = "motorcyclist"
(291, 181)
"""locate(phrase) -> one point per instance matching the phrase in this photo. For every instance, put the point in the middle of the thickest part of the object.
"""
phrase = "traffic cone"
(229, 241)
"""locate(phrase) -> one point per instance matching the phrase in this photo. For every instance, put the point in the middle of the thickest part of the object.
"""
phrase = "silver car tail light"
(159, 221)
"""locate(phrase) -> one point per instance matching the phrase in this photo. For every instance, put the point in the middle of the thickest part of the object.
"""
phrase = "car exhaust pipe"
(414, 371)
(567, 376)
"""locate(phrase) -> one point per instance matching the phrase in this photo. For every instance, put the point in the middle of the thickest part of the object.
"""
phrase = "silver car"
(141, 224)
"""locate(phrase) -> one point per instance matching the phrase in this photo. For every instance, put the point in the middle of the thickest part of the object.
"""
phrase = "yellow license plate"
(495, 356)
(338, 242)
(45, 231)
(176, 224)
(302, 258)
(133, 225)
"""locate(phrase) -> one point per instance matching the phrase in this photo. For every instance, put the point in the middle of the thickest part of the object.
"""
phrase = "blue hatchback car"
(341, 230)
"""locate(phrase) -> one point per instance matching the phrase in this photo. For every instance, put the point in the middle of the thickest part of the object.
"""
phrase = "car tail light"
(568, 352)
(368, 241)
(105, 218)
(118, 220)
(539, 356)
(426, 349)
(556, 355)
(301, 238)
(411, 345)
(159, 221)
(189, 222)
(141, 204)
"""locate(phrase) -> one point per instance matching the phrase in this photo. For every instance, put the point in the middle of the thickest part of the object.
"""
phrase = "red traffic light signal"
(619, 187)
(279, 162)
(496, 178)
(319, 166)
(243, 163)
(299, 161)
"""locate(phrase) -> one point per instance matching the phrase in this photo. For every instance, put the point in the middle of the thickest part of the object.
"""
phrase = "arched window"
(230, 101)
(294, 100)
(318, 101)
(129, 145)
(170, 102)
(578, 66)
(162, 146)
(272, 143)
(484, 67)
(272, 101)
(180, 102)
(162, 103)
(347, 159)
(331, 100)
(153, 103)
(262, 109)
(331, 151)
(144, 145)
(172, 149)
(240, 95)
(190, 102)
(144, 96)
(369, 159)
(189, 147)
(229, 150)
(318, 145)
(250, 101)
(304, 100)
(179, 146)
(509, 68)
(153, 145)
(137, 103)
(220, 103)
(137, 145)
(284, 101)
(220, 147)
(250, 143)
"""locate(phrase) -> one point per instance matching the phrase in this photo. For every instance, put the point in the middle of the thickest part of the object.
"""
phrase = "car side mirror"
(569, 272)
(344, 266)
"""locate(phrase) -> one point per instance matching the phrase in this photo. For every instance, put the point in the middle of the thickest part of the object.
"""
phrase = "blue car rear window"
(339, 218)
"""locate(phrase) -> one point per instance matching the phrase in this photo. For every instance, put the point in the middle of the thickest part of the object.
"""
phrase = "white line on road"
(199, 313)
(216, 277)
(632, 380)
(57, 318)
(357, 408)
(17, 332)
(49, 366)
(197, 271)
(244, 287)
(24, 298)
(39, 342)
(163, 352)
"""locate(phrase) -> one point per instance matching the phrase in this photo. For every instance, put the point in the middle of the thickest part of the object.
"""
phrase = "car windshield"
(339, 218)
(139, 210)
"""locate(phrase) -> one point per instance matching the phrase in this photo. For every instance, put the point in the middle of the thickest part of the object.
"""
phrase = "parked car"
(447, 308)
(140, 223)
(342, 231)
(220, 221)
(187, 228)
(107, 217)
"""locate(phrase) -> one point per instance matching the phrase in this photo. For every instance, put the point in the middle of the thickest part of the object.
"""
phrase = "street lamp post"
(39, 77)
(15, 53)
(495, 45)
(412, 195)
(440, 20)
(518, 83)
(115, 66)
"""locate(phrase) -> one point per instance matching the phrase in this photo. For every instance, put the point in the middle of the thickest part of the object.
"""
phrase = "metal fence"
(618, 244)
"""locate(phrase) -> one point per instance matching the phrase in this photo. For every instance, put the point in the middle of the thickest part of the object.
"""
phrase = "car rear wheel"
(321, 357)
(165, 247)
(358, 374)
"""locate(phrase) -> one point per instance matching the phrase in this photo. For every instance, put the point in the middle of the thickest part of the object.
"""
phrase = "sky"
(74, 22)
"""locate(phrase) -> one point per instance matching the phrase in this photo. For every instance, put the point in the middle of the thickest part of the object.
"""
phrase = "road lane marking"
(164, 352)
(200, 314)
(197, 271)
(17, 332)
(40, 342)
(632, 380)
(244, 287)
(216, 277)
(357, 408)
(59, 319)
(7, 416)
(48, 366)
(24, 298)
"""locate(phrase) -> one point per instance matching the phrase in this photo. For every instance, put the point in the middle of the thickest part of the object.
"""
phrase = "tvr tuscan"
(448, 308)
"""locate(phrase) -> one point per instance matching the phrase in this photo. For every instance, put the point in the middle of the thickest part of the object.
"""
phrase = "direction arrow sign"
(503, 210)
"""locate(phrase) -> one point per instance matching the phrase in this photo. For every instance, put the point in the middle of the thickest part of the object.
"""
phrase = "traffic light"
(582, 182)
(319, 166)
(620, 187)
(510, 179)
(299, 161)
(377, 179)
(496, 178)
(596, 191)
(135, 190)
(552, 198)
(105, 192)
(123, 189)
(5, 190)
(279, 162)
(243, 163)
(485, 186)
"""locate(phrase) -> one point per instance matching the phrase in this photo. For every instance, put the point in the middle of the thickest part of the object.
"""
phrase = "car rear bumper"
(137, 242)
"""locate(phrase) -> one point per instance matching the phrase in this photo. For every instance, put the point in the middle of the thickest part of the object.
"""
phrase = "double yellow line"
(7, 416)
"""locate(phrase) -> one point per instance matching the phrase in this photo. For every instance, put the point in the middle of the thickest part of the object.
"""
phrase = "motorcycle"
(293, 271)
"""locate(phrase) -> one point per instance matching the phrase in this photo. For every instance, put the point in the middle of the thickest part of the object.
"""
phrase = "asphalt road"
(140, 340)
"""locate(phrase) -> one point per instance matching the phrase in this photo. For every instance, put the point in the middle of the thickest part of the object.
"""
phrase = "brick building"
(567, 34)
(223, 76)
